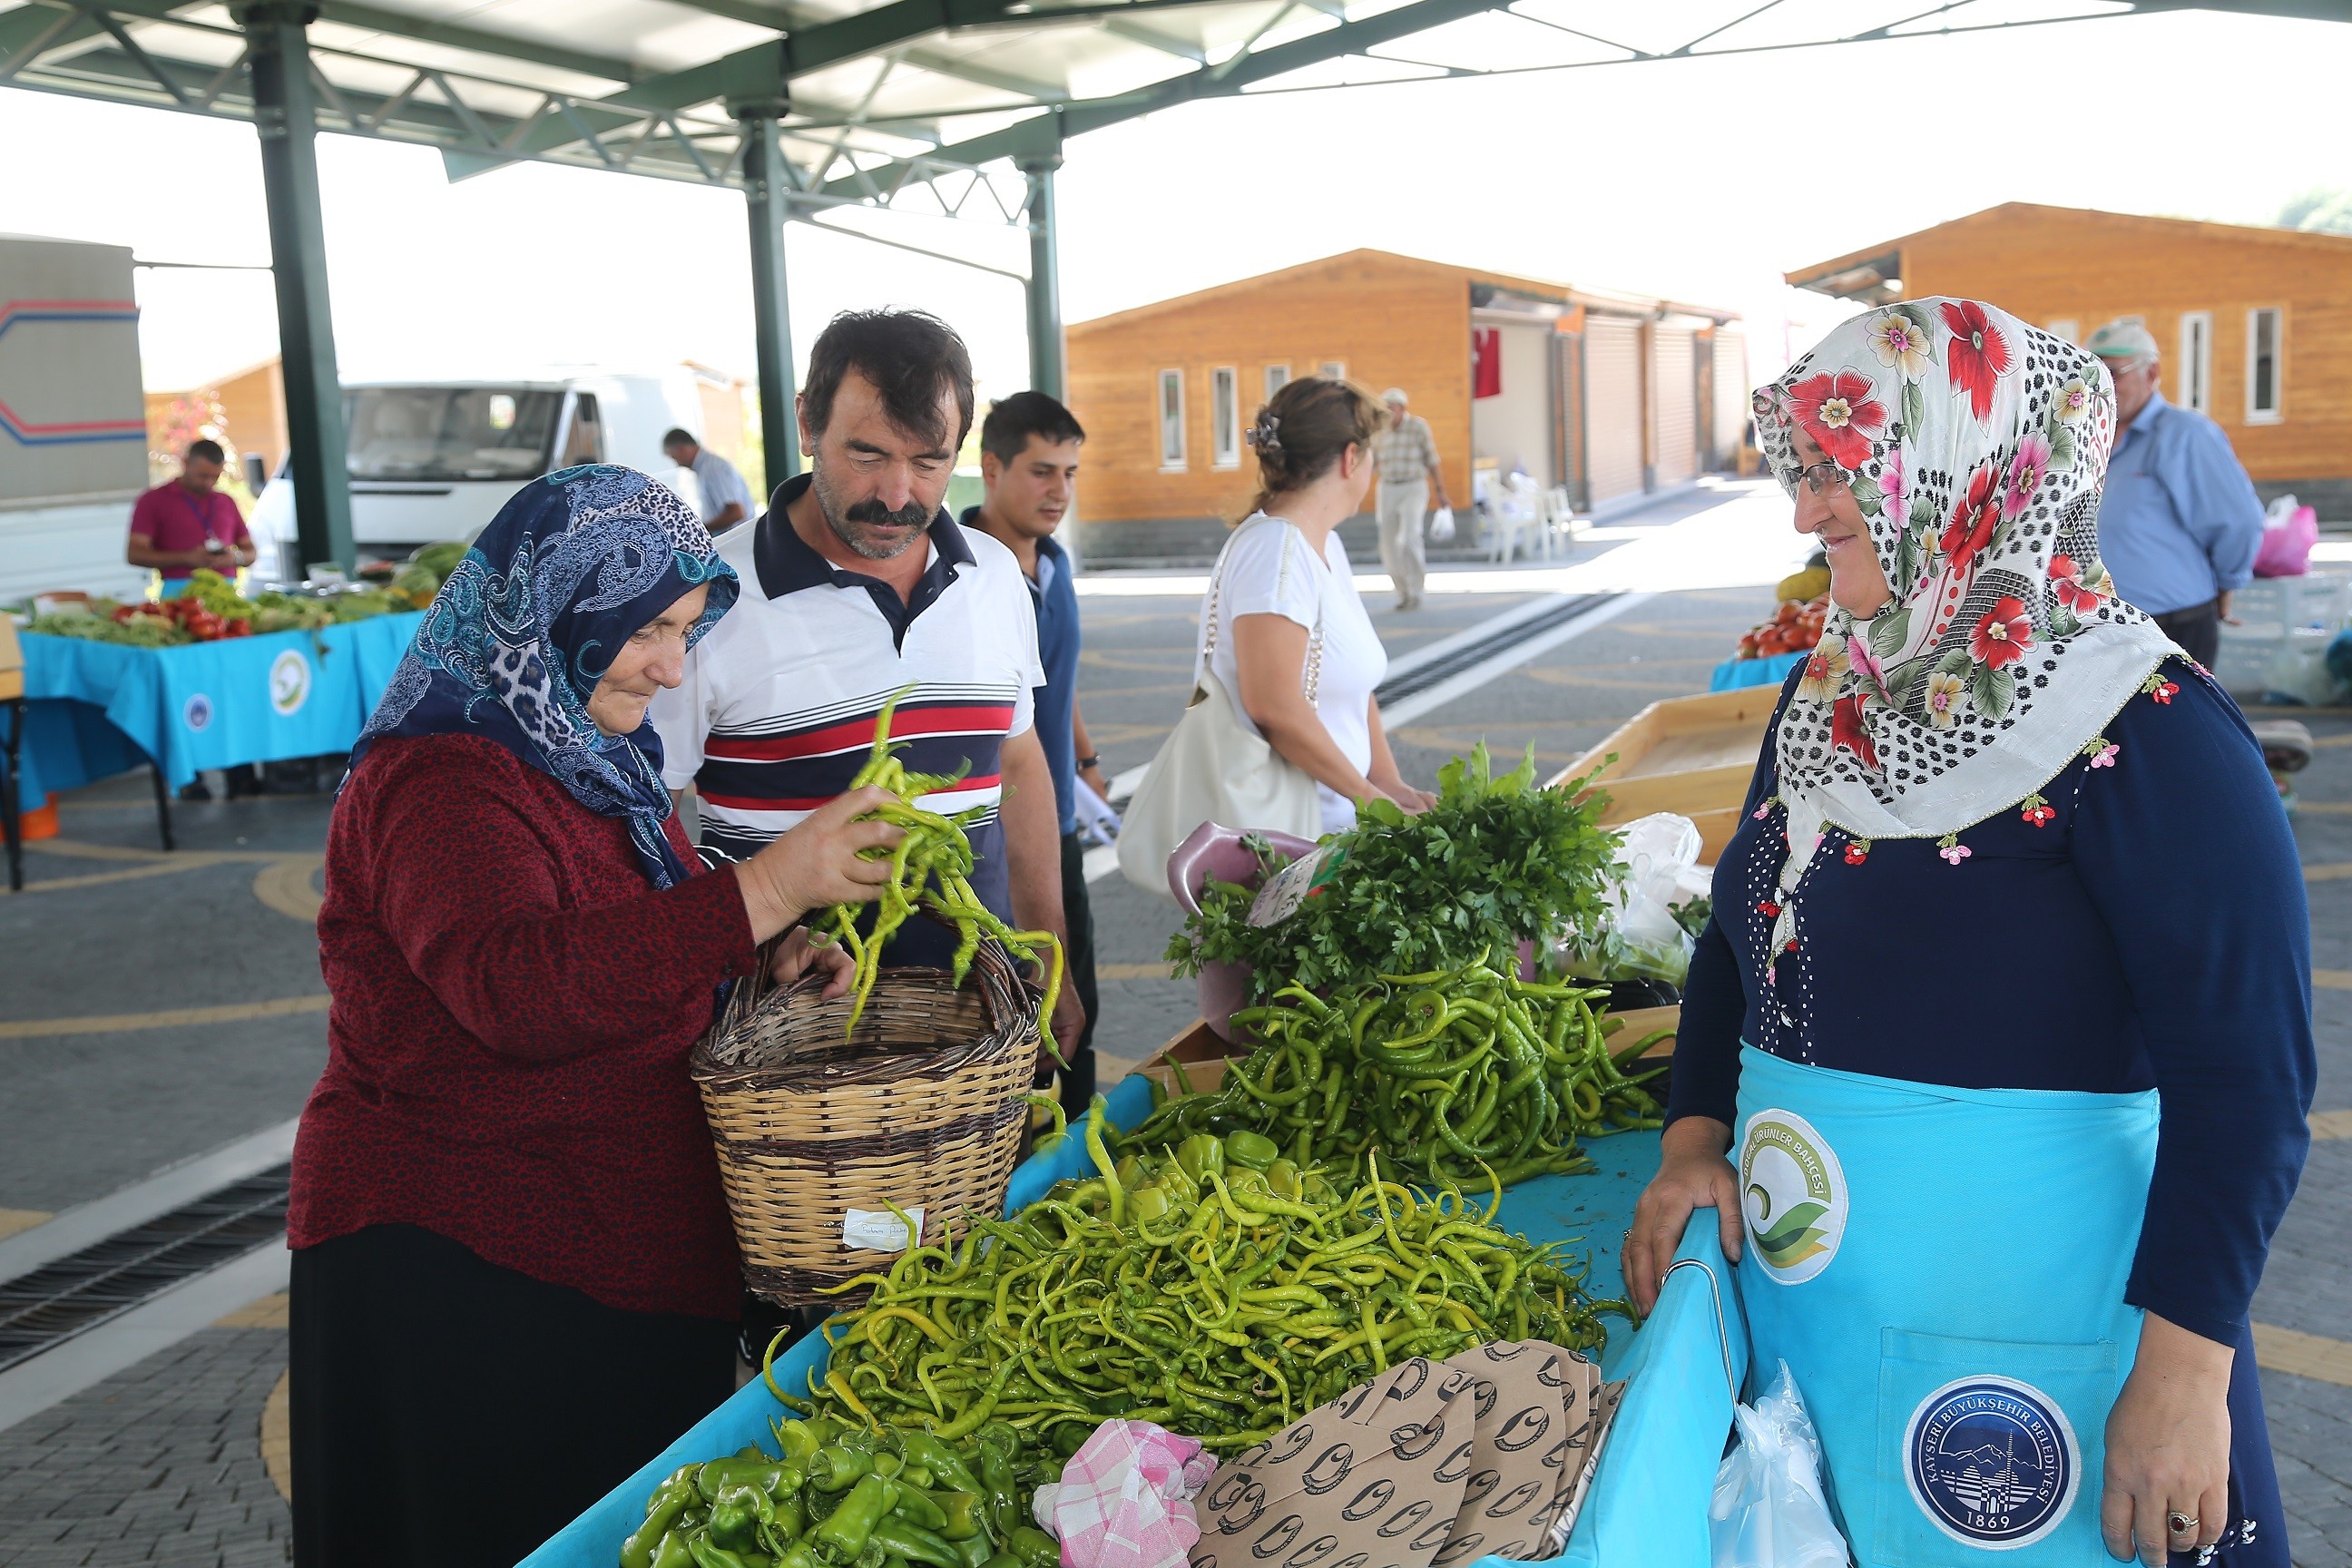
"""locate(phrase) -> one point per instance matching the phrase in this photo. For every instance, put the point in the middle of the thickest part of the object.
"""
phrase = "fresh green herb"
(1494, 860)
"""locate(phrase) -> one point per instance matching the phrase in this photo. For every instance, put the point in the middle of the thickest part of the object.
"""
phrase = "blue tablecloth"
(94, 709)
(1649, 1499)
(1737, 674)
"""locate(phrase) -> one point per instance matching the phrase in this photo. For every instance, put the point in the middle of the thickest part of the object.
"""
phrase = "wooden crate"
(12, 661)
(1693, 756)
(1203, 1054)
(1640, 1021)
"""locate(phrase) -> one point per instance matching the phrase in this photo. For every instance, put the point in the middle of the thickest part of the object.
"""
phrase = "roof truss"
(486, 98)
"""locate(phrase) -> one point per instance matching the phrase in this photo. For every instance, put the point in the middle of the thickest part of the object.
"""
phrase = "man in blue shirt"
(2180, 523)
(1029, 463)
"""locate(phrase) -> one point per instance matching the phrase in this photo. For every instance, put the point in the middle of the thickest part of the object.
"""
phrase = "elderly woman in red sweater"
(513, 1277)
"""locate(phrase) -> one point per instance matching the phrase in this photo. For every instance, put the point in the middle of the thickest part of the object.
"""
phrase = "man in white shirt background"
(725, 499)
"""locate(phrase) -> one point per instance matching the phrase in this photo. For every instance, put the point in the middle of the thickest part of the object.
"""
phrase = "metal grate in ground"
(1420, 678)
(58, 1301)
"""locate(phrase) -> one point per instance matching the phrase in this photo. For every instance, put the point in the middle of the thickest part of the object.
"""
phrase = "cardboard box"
(12, 661)
(1203, 1054)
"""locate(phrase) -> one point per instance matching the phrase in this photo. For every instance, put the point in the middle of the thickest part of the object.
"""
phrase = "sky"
(1699, 179)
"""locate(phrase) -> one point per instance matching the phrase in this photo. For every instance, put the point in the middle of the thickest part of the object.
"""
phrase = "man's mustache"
(914, 514)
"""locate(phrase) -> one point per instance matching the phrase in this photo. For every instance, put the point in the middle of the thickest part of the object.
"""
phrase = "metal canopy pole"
(285, 115)
(767, 187)
(1046, 363)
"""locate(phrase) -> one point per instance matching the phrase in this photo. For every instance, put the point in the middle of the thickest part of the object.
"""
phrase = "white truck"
(73, 418)
(436, 459)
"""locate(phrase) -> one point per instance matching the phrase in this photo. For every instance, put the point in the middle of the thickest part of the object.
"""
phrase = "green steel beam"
(286, 117)
(767, 200)
(1043, 293)
(456, 35)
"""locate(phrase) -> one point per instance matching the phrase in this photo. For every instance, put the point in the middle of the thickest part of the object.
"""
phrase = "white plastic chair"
(1512, 516)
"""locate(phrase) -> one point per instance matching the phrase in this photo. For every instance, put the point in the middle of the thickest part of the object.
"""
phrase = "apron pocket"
(1993, 1445)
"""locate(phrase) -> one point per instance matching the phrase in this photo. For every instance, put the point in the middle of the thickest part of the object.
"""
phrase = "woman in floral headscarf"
(2000, 1041)
(513, 1277)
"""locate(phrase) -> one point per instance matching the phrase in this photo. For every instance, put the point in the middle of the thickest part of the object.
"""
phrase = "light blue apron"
(1942, 1269)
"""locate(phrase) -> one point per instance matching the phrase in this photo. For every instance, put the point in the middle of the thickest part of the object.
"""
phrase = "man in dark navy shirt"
(1029, 463)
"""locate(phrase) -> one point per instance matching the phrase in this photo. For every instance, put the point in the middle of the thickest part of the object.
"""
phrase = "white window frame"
(1334, 370)
(1169, 462)
(2196, 382)
(2276, 412)
(1278, 376)
(2068, 328)
(1226, 422)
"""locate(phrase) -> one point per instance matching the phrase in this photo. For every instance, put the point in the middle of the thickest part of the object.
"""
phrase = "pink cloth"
(1124, 1499)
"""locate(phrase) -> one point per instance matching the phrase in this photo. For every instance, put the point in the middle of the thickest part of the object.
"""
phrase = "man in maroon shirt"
(187, 523)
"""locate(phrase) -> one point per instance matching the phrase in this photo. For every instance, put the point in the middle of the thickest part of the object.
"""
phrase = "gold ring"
(2181, 1523)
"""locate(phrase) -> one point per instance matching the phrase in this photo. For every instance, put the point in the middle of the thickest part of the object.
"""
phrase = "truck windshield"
(449, 432)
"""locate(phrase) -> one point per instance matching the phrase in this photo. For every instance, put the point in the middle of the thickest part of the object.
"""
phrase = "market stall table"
(1648, 1505)
(93, 710)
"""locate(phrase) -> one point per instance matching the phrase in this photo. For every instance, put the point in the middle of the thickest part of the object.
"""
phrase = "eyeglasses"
(1826, 477)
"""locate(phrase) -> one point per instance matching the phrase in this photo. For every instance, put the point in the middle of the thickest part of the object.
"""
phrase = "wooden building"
(2254, 324)
(1617, 397)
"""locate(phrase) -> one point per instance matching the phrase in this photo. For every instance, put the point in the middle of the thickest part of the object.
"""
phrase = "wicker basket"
(922, 1108)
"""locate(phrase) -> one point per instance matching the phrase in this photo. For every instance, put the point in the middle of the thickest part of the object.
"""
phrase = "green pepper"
(959, 1514)
(783, 1528)
(887, 1464)
(708, 1553)
(838, 1469)
(974, 1552)
(750, 1452)
(770, 1476)
(846, 1529)
(799, 1440)
(1034, 1548)
(946, 1466)
(1149, 1203)
(912, 1542)
(1251, 1151)
(914, 1475)
(1003, 1559)
(736, 1516)
(667, 1504)
(916, 1505)
(1200, 1155)
(997, 1485)
(674, 1553)
(799, 1554)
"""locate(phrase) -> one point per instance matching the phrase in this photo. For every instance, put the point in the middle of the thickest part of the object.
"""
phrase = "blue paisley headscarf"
(523, 629)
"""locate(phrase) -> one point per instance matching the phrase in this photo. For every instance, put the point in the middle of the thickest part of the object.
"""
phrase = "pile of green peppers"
(1218, 1289)
(845, 1497)
(1471, 1076)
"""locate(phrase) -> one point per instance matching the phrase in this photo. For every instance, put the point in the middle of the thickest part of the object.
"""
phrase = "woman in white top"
(1286, 601)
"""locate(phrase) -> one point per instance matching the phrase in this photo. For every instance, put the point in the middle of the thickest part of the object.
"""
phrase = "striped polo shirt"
(776, 712)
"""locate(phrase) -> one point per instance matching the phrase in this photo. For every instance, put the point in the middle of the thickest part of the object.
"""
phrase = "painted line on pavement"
(1486, 671)
(2331, 979)
(2331, 1124)
(170, 1017)
(30, 1387)
(285, 886)
(2314, 1356)
(173, 1187)
(12, 1221)
(2328, 871)
(1132, 971)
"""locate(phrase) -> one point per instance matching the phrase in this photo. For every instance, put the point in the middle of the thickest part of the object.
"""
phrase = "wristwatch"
(1093, 762)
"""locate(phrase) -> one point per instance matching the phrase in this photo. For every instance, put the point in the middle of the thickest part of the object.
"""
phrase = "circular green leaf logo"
(1792, 1195)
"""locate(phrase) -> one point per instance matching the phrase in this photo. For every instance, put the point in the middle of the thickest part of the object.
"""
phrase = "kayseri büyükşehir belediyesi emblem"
(1992, 1462)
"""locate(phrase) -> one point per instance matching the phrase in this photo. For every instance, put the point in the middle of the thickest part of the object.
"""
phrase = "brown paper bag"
(1591, 1404)
(1372, 1479)
(1519, 1406)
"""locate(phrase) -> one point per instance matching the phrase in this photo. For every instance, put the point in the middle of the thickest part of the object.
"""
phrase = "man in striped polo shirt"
(858, 587)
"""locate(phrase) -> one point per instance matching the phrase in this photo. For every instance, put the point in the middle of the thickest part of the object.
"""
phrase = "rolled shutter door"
(1613, 407)
(1731, 394)
(1674, 375)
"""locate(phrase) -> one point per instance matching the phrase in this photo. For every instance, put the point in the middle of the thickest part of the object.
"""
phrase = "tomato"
(1769, 642)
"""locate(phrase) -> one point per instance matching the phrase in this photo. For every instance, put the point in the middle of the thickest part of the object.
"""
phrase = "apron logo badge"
(1792, 1195)
(1992, 1462)
(197, 712)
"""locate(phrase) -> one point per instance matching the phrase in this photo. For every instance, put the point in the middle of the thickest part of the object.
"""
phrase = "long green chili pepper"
(930, 868)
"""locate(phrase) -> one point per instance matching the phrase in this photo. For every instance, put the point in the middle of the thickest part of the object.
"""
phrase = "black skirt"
(449, 1411)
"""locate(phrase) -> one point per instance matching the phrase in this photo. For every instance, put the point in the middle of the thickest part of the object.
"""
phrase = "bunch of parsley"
(1495, 860)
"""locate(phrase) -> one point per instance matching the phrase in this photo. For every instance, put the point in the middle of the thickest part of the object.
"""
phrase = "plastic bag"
(1769, 1509)
(1125, 1499)
(2289, 530)
(1441, 526)
(1638, 937)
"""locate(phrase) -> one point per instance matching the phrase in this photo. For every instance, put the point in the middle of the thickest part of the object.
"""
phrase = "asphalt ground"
(154, 1007)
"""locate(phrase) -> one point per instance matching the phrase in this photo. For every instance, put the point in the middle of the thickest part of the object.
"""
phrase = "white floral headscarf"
(1975, 446)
